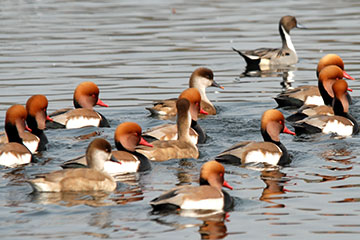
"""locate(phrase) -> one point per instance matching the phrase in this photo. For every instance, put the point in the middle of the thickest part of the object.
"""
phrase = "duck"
(127, 136)
(310, 94)
(35, 140)
(15, 153)
(200, 79)
(169, 131)
(183, 147)
(92, 178)
(327, 77)
(286, 55)
(86, 96)
(271, 151)
(342, 123)
(208, 196)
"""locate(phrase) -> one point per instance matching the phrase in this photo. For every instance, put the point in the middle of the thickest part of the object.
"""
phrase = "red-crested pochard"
(86, 96)
(169, 131)
(14, 152)
(286, 55)
(127, 136)
(342, 123)
(183, 147)
(208, 196)
(310, 94)
(92, 178)
(200, 79)
(271, 151)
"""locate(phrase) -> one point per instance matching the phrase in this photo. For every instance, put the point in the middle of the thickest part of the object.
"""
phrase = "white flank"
(11, 160)
(258, 156)
(161, 113)
(338, 128)
(206, 204)
(114, 168)
(314, 100)
(42, 187)
(288, 40)
(265, 61)
(81, 121)
(32, 145)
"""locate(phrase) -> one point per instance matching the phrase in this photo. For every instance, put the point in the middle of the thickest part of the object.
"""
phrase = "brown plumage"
(183, 147)
(80, 179)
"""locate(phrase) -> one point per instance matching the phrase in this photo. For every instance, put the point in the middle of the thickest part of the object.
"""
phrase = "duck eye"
(93, 95)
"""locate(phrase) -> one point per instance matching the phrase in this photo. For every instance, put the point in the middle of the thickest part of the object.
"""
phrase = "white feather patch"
(258, 156)
(338, 128)
(314, 100)
(32, 145)
(114, 168)
(193, 138)
(288, 40)
(265, 61)
(206, 204)
(9, 159)
(79, 122)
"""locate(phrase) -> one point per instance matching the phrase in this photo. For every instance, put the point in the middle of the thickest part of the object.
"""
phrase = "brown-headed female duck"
(200, 79)
(271, 151)
(86, 96)
(208, 196)
(183, 147)
(92, 178)
(127, 136)
(14, 152)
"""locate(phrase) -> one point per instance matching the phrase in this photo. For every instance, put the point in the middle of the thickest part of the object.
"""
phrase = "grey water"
(138, 52)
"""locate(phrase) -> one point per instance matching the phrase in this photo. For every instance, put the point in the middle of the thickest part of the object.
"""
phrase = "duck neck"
(183, 126)
(325, 94)
(286, 39)
(199, 85)
(13, 133)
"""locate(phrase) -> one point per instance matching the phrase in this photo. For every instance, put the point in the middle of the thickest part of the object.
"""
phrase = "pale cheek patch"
(338, 128)
(114, 168)
(11, 160)
(206, 204)
(80, 122)
(261, 157)
(314, 100)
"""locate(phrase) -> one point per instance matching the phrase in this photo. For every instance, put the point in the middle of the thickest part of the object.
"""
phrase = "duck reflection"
(286, 72)
(214, 227)
(95, 199)
(274, 180)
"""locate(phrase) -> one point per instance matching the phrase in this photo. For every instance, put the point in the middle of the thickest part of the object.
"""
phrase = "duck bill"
(288, 131)
(349, 89)
(347, 76)
(215, 84)
(144, 142)
(28, 129)
(101, 103)
(202, 111)
(226, 184)
(300, 26)
(113, 159)
(49, 118)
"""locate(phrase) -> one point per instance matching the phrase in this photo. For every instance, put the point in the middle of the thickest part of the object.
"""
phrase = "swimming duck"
(86, 96)
(92, 178)
(286, 55)
(271, 151)
(342, 123)
(127, 136)
(14, 152)
(169, 131)
(183, 147)
(200, 79)
(310, 94)
(208, 196)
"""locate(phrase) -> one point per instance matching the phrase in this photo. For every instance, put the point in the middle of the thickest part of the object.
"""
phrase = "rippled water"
(141, 51)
